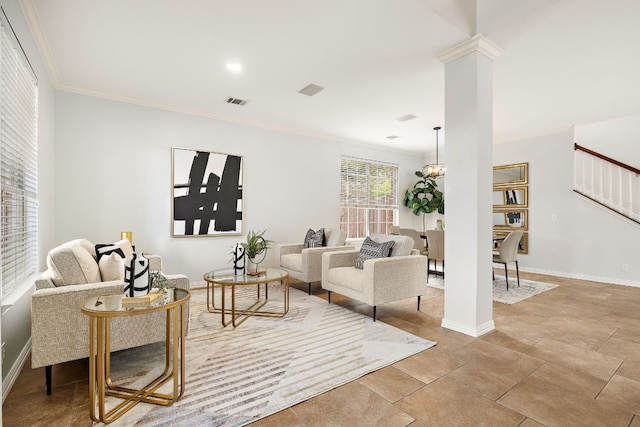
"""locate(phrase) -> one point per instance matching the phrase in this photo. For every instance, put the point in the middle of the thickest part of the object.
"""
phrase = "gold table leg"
(101, 385)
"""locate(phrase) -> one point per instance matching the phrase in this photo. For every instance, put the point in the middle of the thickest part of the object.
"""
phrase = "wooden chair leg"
(329, 296)
(309, 288)
(418, 302)
(518, 273)
(374, 313)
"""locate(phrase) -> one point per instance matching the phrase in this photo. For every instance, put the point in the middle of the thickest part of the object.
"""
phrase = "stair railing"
(608, 182)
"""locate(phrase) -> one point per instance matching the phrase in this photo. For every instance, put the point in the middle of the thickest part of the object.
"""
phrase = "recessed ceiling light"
(393, 137)
(234, 67)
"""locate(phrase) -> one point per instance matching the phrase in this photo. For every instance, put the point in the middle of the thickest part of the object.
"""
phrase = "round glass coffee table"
(226, 280)
(101, 310)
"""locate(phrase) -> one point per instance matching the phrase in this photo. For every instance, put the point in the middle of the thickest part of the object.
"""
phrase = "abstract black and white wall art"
(207, 193)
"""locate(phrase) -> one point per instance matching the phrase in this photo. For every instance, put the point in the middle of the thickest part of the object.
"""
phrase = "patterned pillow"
(371, 250)
(122, 247)
(314, 239)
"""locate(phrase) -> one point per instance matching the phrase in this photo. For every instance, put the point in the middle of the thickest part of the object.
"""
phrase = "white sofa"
(400, 276)
(60, 331)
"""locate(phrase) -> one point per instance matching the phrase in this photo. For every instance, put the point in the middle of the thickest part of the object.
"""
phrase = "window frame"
(18, 163)
(363, 209)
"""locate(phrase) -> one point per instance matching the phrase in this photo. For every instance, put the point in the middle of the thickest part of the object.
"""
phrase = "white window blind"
(368, 196)
(18, 159)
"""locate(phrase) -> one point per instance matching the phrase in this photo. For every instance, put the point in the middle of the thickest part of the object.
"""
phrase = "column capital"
(477, 43)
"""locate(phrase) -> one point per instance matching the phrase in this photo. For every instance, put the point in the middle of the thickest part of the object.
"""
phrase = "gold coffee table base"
(237, 315)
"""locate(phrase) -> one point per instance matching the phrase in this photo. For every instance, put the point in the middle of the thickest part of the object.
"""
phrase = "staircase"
(608, 182)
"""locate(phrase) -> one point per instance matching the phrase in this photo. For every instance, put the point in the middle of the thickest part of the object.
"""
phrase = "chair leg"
(506, 275)
(418, 302)
(309, 288)
(329, 296)
(47, 375)
(442, 269)
(518, 273)
(374, 313)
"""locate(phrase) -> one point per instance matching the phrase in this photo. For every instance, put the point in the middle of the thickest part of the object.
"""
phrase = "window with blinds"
(368, 196)
(18, 162)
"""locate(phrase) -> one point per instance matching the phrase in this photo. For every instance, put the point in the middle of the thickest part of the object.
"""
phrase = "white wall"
(585, 241)
(113, 173)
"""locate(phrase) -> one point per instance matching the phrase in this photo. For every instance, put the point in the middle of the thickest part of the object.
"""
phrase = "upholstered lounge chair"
(305, 264)
(60, 331)
(400, 276)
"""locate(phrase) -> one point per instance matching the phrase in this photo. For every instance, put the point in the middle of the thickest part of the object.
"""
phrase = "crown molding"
(33, 21)
(477, 43)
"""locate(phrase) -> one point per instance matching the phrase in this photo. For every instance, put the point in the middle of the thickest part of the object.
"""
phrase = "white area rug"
(527, 288)
(237, 376)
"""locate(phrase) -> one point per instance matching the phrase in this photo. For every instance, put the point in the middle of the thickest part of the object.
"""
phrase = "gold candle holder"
(127, 235)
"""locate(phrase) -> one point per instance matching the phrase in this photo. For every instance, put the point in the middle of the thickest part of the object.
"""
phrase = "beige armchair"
(508, 252)
(60, 331)
(304, 263)
(400, 276)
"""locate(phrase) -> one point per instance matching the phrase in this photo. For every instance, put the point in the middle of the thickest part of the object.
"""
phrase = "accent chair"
(401, 275)
(59, 329)
(305, 263)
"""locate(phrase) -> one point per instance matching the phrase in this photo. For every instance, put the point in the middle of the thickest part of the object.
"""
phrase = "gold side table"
(100, 311)
(224, 279)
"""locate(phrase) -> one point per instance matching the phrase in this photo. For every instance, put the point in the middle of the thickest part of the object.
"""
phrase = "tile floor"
(568, 357)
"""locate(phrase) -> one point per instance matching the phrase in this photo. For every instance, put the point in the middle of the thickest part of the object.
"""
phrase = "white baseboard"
(479, 330)
(12, 376)
(611, 280)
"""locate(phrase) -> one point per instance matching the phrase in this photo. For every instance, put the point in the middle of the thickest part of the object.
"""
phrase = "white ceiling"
(565, 62)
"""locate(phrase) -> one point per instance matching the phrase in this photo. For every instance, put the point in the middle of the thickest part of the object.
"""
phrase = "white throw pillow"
(111, 267)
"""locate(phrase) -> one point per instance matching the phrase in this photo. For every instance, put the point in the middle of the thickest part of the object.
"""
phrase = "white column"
(468, 130)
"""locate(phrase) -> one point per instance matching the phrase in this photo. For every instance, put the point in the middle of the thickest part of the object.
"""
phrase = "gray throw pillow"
(371, 250)
(314, 239)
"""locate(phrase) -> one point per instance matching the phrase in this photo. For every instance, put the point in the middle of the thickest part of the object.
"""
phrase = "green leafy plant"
(158, 280)
(256, 243)
(424, 198)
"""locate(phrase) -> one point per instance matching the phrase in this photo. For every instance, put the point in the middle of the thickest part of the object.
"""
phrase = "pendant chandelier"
(434, 170)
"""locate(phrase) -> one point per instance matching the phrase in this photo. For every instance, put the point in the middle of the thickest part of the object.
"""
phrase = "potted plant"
(424, 197)
(256, 247)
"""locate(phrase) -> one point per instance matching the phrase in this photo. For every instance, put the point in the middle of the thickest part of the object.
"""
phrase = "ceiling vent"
(236, 101)
(310, 90)
(406, 118)
(393, 137)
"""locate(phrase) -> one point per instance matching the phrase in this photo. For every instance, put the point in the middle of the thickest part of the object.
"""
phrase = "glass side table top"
(113, 303)
(226, 276)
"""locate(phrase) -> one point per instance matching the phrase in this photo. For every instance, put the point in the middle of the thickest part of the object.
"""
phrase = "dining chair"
(508, 252)
(417, 240)
(435, 249)
(393, 229)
